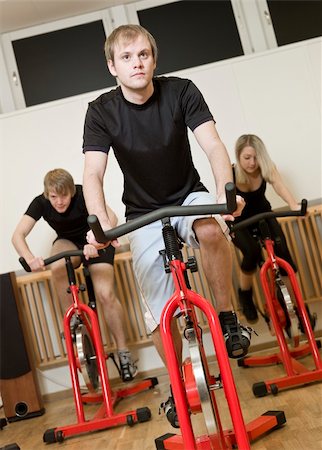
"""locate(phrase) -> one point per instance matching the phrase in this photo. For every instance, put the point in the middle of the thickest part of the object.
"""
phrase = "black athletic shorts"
(106, 254)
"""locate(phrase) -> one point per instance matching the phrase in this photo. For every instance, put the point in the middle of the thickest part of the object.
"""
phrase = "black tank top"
(256, 202)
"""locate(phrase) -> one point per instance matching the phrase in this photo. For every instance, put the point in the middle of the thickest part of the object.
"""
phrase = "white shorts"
(155, 284)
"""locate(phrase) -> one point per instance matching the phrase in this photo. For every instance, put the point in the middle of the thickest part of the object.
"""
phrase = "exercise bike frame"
(296, 373)
(185, 299)
(105, 417)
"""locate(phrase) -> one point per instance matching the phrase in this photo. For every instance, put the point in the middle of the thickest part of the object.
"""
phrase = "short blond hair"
(128, 33)
(266, 165)
(60, 181)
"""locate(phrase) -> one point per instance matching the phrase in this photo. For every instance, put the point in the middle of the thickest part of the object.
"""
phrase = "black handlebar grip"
(95, 226)
(303, 207)
(24, 264)
(231, 197)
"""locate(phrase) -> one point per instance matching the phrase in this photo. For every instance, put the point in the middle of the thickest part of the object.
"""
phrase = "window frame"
(269, 28)
(237, 6)
(253, 22)
(9, 56)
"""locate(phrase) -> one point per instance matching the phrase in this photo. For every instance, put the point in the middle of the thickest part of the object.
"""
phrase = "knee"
(106, 296)
(58, 269)
(208, 232)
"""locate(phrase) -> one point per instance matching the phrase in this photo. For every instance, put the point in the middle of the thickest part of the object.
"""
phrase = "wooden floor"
(302, 407)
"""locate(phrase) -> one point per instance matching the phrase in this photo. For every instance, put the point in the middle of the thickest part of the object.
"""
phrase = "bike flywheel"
(201, 383)
(87, 358)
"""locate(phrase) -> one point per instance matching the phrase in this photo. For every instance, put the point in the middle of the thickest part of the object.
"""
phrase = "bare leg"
(102, 275)
(157, 340)
(169, 406)
(217, 265)
(59, 274)
(246, 281)
(216, 261)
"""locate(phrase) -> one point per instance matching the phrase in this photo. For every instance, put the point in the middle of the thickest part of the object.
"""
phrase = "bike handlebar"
(168, 211)
(268, 215)
(51, 259)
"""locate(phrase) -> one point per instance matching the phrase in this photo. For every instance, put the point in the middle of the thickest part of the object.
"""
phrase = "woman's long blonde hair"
(266, 165)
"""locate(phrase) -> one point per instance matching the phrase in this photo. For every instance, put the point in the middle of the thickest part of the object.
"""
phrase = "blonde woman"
(252, 171)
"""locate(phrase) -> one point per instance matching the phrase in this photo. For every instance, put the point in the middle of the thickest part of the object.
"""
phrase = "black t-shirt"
(71, 225)
(150, 142)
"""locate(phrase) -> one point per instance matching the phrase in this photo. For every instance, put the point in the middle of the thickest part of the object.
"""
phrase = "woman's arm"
(281, 190)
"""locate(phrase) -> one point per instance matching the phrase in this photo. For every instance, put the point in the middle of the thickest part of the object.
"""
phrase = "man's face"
(58, 201)
(133, 64)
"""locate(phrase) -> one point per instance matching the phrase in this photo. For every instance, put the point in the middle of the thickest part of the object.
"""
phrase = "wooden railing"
(45, 318)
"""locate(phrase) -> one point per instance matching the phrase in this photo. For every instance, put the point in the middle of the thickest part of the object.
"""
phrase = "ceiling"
(17, 14)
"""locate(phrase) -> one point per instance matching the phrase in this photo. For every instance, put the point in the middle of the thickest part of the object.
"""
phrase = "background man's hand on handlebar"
(36, 264)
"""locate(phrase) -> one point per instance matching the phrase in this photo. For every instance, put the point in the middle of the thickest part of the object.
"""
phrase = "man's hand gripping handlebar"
(169, 211)
(51, 259)
(65, 254)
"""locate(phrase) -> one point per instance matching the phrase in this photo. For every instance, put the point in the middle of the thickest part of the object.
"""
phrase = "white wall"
(275, 94)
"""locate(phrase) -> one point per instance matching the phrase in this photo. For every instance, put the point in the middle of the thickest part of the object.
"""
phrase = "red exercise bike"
(193, 386)
(86, 355)
(288, 314)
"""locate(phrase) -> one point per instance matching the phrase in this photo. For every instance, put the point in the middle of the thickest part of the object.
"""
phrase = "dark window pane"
(192, 33)
(295, 20)
(62, 63)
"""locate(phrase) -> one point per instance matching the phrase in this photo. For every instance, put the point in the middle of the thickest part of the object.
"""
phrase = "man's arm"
(112, 216)
(19, 242)
(94, 171)
(209, 140)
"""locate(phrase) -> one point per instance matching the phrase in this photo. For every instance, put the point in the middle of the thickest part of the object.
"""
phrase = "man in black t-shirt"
(145, 120)
(62, 206)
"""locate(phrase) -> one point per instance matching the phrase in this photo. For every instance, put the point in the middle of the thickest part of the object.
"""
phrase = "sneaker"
(237, 337)
(128, 368)
(169, 408)
(247, 305)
